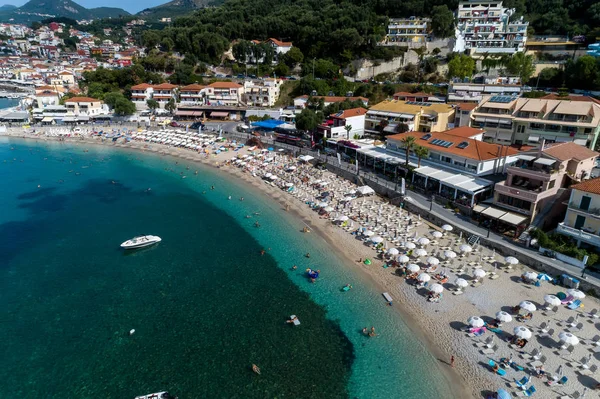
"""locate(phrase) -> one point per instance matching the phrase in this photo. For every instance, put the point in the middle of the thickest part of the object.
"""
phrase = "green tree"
(167, 44)
(521, 65)
(281, 69)
(420, 52)
(461, 66)
(307, 120)
(293, 57)
(408, 142)
(152, 104)
(420, 152)
(150, 39)
(171, 106)
(119, 104)
(442, 21)
(348, 128)
(242, 51)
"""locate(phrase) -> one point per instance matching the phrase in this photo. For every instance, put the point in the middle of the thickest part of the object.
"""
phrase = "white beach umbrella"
(328, 208)
(568, 338)
(343, 218)
(437, 234)
(273, 177)
(424, 277)
(347, 199)
(289, 184)
(576, 293)
(267, 175)
(432, 260)
(377, 239)
(393, 252)
(449, 254)
(522, 332)
(413, 268)
(436, 288)
(528, 306)
(465, 248)
(403, 259)
(479, 273)
(423, 241)
(503, 317)
(323, 204)
(511, 260)
(420, 252)
(368, 233)
(475, 321)
(530, 275)
(408, 245)
(447, 227)
(552, 300)
(461, 282)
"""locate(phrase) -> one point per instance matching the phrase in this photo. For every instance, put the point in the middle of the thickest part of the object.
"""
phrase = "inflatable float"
(312, 273)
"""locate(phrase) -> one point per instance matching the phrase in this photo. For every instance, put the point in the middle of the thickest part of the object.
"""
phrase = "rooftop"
(349, 113)
(409, 107)
(142, 86)
(570, 150)
(225, 85)
(82, 100)
(194, 86)
(589, 186)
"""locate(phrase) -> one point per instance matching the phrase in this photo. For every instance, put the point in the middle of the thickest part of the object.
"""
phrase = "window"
(585, 202)
(551, 184)
(579, 221)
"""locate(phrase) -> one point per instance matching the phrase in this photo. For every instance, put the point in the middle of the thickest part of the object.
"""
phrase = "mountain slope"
(176, 8)
(36, 10)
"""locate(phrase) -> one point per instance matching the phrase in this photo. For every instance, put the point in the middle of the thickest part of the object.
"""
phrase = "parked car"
(197, 125)
(176, 124)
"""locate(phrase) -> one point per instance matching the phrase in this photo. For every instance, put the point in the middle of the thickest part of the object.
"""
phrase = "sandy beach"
(440, 325)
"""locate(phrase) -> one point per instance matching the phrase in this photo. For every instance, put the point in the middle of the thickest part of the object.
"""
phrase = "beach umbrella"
(403, 259)
(522, 332)
(544, 277)
(436, 288)
(433, 261)
(423, 241)
(447, 227)
(568, 338)
(576, 294)
(367, 261)
(377, 239)
(511, 260)
(530, 275)
(503, 394)
(475, 321)
(437, 234)
(479, 273)
(368, 233)
(413, 268)
(289, 184)
(461, 282)
(393, 251)
(420, 252)
(528, 306)
(449, 254)
(328, 208)
(346, 199)
(343, 218)
(424, 277)
(323, 204)
(273, 177)
(465, 248)
(503, 317)
(552, 300)
(408, 245)
(267, 175)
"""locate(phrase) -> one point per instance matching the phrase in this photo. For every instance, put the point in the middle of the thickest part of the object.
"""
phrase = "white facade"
(412, 32)
(484, 26)
(263, 93)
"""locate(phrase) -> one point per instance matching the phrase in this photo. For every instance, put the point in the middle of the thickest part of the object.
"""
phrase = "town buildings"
(193, 94)
(349, 124)
(396, 116)
(163, 93)
(263, 93)
(411, 32)
(582, 221)
(475, 92)
(224, 93)
(140, 94)
(302, 102)
(486, 27)
(526, 121)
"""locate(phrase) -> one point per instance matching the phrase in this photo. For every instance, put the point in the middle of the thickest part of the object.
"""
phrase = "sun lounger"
(522, 383)
(500, 371)
(529, 392)
(574, 305)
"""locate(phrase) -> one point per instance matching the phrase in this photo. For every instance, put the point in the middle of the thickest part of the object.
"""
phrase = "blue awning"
(268, 124)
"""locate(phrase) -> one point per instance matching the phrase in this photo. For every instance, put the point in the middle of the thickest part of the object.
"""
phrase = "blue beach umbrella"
(544, 277)
(503, 394)
(270, 148)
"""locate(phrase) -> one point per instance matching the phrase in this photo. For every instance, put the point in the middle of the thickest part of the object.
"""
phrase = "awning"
(458, 181)
(389, 129)
(513, 218)
(580, 142)
(479, 208)
(533, 139)
(69, 119)
(219, 114)
(504, 136)
(48, 119)
(184, 113)
(479, 118)
(492, 120)
(197, 113)
(494, 213)
(545, 161)
(526, 157)
(83, 118)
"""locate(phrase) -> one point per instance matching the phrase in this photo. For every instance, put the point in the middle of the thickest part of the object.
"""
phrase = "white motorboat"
(140, 242)
(157, 395)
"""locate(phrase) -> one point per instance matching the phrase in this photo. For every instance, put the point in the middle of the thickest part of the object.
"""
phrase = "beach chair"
(549, 310)
(589, 371)
(561, 381)
(531, 355)
(489, 351)
(522, 383)
(500, 371)
(574, 305)
(538, 363)
(569, 321)
(528, 392)
(594, 341)
(567, 351)
(593, 314)
(577, 328)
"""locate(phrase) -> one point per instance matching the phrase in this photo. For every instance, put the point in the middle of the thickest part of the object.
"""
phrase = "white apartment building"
(335, 126)
(140, 94)
(411, 32)
(526, 121)
(474, 92)
(224, 93)
(484, 26)
(261, 93)
(192, 94)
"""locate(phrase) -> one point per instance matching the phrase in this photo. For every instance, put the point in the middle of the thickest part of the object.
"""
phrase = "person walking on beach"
(452, 361)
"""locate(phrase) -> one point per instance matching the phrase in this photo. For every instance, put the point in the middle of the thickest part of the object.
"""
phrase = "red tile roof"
(82, 100)
(570, 150)
(571, 97)
(348, 113)
(141, 86)
(280, 43)
(193, 87)
(164, 86)
(589, 186)
(465, 106)
(225, 85)
(464, 131)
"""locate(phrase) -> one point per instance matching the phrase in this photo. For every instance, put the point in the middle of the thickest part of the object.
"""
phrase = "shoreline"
(455, 378)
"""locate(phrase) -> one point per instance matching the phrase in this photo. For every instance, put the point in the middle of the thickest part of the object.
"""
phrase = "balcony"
(590, 238)
(593, 212)
(523, 193)
(531, 172)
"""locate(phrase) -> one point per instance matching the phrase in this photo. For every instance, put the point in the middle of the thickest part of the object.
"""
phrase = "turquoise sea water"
(204, 303)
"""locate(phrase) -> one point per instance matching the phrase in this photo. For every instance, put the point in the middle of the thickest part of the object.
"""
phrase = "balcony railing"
(517, 192)
(531, 172)
(591, 238)
(594, 212)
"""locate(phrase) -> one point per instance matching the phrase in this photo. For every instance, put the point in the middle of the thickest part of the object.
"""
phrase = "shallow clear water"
(204, 303)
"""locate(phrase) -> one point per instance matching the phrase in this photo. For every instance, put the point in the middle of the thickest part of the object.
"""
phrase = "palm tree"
(420, 152)
(348, 128)
(409, 142)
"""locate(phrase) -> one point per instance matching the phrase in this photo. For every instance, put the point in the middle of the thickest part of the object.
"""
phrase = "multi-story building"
(224, 93)
(474, 92)
(335, 126)
(484, 26)
(526, 121)
(538, 175)
(304, 101)
(396, 116)
(192, 94)
(163, 93)
(261, 93)
(462, 116)
(84, 106)
(140, 94)
(582, 221)
(411, 32)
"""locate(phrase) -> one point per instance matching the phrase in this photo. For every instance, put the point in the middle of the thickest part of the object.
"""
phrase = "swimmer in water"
(294, 267)
(307, 255)
(241, 198)
(248, 216)
(229, 197)
(212, 187)
(257, 224)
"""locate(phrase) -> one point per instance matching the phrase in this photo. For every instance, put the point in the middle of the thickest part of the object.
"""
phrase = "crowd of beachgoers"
(507, 330)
